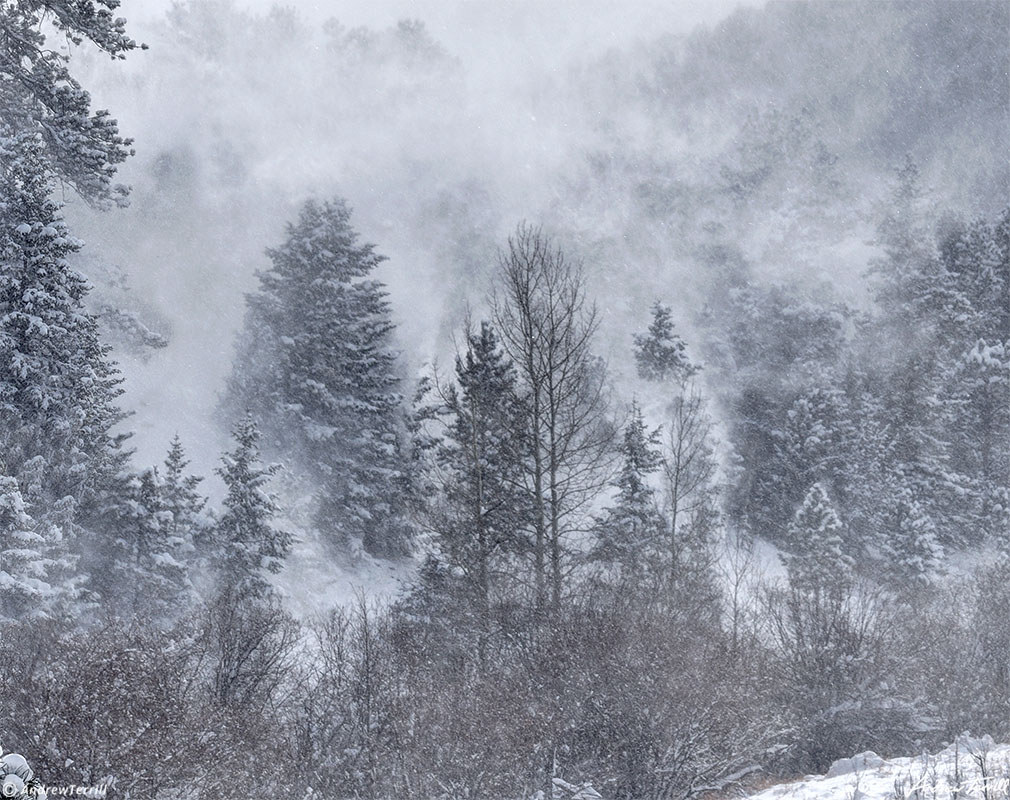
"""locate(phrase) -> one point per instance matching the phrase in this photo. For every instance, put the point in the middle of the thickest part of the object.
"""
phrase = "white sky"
(550, 28)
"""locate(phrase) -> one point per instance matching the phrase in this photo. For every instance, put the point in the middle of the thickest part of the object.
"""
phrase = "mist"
(475, 399)
(442, 137)
(240, 112)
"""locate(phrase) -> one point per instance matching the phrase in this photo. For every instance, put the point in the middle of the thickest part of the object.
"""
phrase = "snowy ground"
(970, 769)
(312, 583)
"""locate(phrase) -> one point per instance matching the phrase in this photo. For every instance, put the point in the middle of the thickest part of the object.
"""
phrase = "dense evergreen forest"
(689, 437)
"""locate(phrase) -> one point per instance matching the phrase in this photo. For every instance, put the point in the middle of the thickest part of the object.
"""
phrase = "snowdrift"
(969, 768)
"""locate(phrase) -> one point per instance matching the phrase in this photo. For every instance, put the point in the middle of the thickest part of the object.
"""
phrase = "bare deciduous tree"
(688, 476)
(547, 325)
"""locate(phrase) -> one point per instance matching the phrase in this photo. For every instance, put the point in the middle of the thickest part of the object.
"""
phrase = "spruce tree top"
(487, 391)
(819, 561)
(250, 545)
(320, 247)
(640, 450)
(660, 353)
(318, 333)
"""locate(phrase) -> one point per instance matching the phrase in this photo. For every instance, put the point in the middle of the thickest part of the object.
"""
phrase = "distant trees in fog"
(588, 603)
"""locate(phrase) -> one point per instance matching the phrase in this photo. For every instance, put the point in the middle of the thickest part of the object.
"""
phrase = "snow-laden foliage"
(57, 382)
(42, 97)
(28, 577)
(596, 607)
(820, 560)
(476, 508)
(632, 533)
(58, 388)
(315, 365)
(661, 354)
(247, 545)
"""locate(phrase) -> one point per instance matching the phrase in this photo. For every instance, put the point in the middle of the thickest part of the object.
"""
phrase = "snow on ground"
(970, 769)
(312, 582)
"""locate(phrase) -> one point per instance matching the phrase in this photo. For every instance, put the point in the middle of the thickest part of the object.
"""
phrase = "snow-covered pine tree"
(779, 345)
(425, 437)
(317, 369)
(819, 563)
(922, 310)
(630, 534)
(977, 256)
(482, 520)
(145, 571)
(913, 556)
(250, 637)
(42, 98)
(180, 498)
(58, 389)
(25, 587)
(812, 445)
(248, 545)
(980, 433)
(660, 353)
(56, 522)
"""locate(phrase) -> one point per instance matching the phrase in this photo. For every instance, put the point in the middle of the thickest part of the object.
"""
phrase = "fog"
(720, 507)
(238, 116)
(442, 137)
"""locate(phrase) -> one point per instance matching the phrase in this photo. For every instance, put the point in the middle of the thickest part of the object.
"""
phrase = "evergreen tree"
(181, 499)
(781, 351)
(316, 367)
(57, 386)
(660, 353)
(423, 425)
(819, 563)
(915, 341)
(248, 545)
(978, 258)
(868, 471)
(146, 571)
(811, 445)
(469, 449)
(979, 434)
(25, 582)
(630, 534)
(42, 98)
(913, 551)
(482, 461)
(58, 389)
(56, 522)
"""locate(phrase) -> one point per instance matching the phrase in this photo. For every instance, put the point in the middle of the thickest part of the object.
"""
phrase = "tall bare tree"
(689, 480)
(547, 324)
